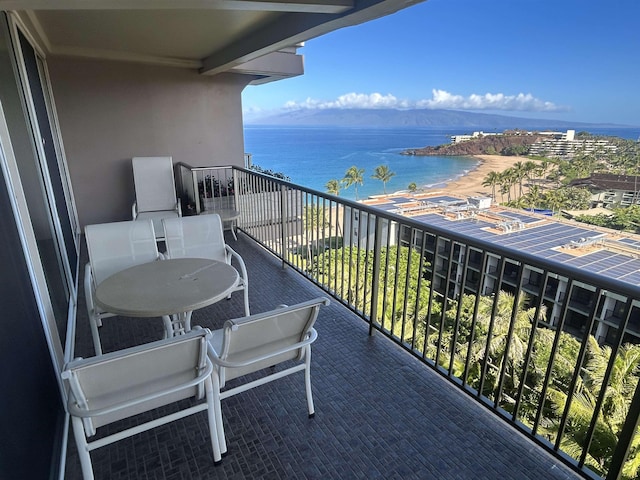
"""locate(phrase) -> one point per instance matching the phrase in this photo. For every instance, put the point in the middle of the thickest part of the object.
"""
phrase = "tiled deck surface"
(380, 414)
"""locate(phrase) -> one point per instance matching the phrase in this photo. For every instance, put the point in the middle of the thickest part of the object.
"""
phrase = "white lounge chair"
(113, 247)
(119, 385)
(250, 344)
(202, 236)
(155, 191)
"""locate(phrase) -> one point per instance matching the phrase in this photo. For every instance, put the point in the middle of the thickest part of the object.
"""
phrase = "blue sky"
(576, 60)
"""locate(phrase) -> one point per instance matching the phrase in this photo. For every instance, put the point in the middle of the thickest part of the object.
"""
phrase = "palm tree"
(315, 222)
(412, 187)
(333, 187)
(501, 347)
(541, 173)
(353, 176)
(507, 180)
(383, 174)
(519, 172)
(533, 196)
(530, 169)
(492, 180)
(554, 200)
(614, 409)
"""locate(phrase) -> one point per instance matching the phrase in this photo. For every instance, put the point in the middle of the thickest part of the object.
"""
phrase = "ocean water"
(311, 156)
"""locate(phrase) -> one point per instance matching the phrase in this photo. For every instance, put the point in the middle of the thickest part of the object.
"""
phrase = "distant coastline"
(415, 118)
(311, 156)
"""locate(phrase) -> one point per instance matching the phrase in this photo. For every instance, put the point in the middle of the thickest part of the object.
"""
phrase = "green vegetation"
(483, 341)
(544, 183)
(333, 187)
(280, 175)
(349, 272)
(626, 219)
(516, 150)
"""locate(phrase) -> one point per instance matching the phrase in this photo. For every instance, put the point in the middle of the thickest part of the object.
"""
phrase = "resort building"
(464, 138)
(567, 146)
(604, 252)
(560, 136)
(608, 190)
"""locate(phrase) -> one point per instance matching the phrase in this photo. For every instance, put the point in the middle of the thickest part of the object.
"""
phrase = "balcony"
(433, 365)
(380, 412)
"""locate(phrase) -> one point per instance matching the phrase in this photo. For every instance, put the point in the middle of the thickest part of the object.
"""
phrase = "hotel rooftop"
(601, 251)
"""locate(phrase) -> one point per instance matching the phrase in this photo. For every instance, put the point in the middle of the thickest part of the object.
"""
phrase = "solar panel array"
(442, 199)
(631, 241)
(543, 240)
(523, 217)
(403, 199)
(386, 206)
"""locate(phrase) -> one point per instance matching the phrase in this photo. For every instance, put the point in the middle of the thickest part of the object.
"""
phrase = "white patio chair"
(119, 385)
(113, 247)
(202, 236)
(155, 191)
(250, 344)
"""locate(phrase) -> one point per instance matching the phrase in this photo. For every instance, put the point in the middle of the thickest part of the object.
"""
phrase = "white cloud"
(352, 100)
(522, 102)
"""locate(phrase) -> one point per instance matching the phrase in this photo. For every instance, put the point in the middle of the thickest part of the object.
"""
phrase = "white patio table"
(170, 289)
(228, 216)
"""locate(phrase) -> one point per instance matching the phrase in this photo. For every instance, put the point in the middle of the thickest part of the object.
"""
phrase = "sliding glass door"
(47, 188)
(39, 258)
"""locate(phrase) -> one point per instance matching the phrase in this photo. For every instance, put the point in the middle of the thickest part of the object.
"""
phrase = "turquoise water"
(311, 156)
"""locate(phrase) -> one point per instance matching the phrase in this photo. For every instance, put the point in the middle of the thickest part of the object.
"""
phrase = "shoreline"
(470, 184)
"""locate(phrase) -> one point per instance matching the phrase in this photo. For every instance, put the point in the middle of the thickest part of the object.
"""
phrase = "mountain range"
(411, 118)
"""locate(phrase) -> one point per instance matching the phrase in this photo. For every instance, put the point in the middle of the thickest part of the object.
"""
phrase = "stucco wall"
(111, 111)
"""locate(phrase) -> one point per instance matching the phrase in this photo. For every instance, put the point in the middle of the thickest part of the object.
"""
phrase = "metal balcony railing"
(516, 350)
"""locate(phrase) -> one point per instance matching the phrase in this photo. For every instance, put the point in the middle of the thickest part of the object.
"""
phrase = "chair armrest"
(243, 269)
(134, 210)
(88, 285)
(179, 207)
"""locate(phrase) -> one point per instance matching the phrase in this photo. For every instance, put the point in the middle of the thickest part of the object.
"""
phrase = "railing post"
(236, 193)
(626, 437)
(283, 233)
(194, 174)
(375, 287)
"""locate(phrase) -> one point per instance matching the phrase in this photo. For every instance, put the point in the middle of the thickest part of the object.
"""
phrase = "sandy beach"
(471, 184)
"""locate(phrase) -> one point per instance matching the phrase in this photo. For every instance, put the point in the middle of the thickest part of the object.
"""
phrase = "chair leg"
(246, 301)
(213, 423)
(307, 382)
(218, 413)
(83, 449)
(95, 335)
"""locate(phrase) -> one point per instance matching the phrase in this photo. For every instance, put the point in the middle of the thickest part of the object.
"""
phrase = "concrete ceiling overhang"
(213, 36)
